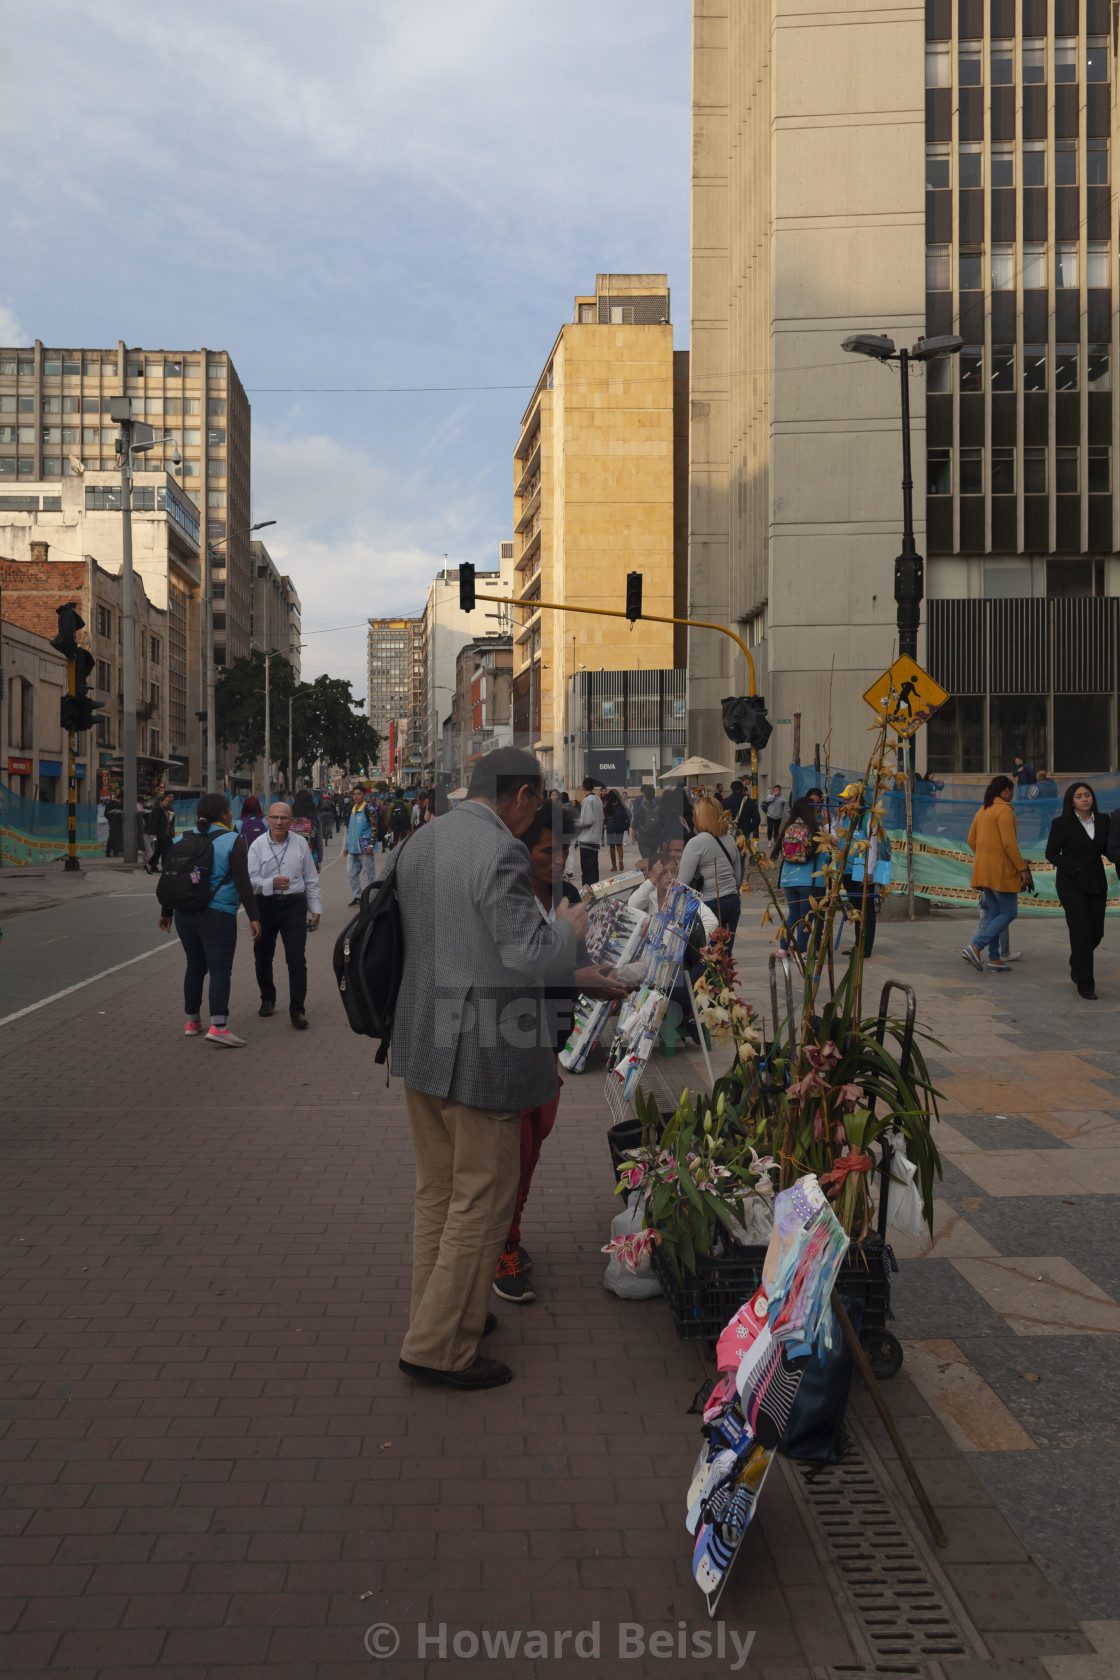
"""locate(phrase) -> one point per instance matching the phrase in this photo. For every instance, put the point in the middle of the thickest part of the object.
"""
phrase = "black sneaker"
(525, 1258)
(510, 1281)
(299, 1020)
(483, 1373)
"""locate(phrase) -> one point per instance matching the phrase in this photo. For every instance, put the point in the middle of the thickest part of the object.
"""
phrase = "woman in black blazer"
(1078, 844)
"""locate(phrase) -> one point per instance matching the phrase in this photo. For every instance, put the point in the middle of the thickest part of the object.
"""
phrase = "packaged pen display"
(662, 951)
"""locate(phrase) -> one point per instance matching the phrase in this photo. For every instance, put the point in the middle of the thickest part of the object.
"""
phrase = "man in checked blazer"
(473, 1043)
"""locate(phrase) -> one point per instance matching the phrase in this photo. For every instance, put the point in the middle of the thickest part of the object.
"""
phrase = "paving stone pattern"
(214, 1465)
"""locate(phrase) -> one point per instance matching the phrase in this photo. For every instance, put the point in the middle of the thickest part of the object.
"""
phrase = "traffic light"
(76, 712)
(84, 663)
(633, 595)
(466, 587)
(745, 720)
(70, 621)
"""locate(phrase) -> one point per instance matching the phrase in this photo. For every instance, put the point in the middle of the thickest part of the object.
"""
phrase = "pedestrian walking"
(326, 821)
(398, 819)
(547, 840)
(712, 862)
(775, 808)
(868, 856)
(616, 816)
(646, 825)
(362, 832)
(1000, 867)
(161, 827)
(1024, 772)
(290, 901)
(801, 866)
(1079, 841)
(589, 831)
(471, 1041)
(305, 821)
(114, 816)
(205, 878)
(251, 822)
(743, 810)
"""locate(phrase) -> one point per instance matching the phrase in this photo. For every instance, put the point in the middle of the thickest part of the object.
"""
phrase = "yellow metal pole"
(71, 863)
(652, 618)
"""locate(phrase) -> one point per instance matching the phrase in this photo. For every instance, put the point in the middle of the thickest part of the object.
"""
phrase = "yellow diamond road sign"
(906, 695)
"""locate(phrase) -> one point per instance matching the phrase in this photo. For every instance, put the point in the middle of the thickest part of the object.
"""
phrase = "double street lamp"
(208, 653)
(908, 567)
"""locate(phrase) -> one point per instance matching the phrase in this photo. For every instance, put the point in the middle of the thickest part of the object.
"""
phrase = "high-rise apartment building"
(54, 423)
(923, 171)
(445, 629)
(276, 620)
(594, 469)
(394, 688)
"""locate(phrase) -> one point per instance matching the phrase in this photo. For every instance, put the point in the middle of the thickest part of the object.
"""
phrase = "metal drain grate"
(901, 1609)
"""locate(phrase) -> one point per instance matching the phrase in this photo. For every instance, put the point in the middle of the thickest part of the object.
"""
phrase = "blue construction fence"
(942, 816)
(34, 832)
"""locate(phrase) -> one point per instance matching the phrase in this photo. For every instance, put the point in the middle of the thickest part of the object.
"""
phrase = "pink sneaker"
(222, 1035)
(192, 1029)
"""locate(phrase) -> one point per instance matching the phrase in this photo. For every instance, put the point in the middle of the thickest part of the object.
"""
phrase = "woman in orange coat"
(1000, 867)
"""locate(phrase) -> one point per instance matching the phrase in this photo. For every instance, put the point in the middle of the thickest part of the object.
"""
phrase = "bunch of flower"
(632, 1250)
(719, 1008)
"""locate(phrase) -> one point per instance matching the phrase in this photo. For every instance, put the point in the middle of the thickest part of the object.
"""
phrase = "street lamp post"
(134, 438)
(208, 634)
(908, 566)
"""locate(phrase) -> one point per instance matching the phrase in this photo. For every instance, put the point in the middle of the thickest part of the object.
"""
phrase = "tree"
(326, 720)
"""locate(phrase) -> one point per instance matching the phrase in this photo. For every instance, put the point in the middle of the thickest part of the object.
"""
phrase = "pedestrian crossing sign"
(906, 695)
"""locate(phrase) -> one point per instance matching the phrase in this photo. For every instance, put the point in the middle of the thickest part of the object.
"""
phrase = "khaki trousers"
(468, 1165)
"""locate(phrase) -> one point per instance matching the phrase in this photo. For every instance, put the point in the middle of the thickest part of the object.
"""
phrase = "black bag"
(369, 964)
(815, 1431)
(187, 868)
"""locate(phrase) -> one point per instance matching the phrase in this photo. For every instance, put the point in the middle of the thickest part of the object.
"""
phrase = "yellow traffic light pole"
(653, 618)
(71, 778)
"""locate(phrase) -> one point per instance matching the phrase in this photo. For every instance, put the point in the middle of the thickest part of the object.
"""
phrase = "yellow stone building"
(602, 444)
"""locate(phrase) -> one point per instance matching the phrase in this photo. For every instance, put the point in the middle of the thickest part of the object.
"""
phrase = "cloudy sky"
(345, 194)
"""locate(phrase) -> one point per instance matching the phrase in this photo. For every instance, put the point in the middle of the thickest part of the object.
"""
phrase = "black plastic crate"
(703, 1303)
(627, 1134)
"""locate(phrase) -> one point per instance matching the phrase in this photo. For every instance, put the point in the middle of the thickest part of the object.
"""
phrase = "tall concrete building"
(394, 688)
(54, 423)
(925, 170)
(276, 622)
(594, 470)
(444, 630)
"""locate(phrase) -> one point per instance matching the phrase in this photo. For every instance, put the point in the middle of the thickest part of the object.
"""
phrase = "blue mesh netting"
(34, 832)
(942, 818)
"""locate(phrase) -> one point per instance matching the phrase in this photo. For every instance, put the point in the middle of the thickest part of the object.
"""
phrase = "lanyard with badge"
(278, 861)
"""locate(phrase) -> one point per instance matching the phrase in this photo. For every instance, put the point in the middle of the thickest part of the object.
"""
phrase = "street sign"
(906, 695)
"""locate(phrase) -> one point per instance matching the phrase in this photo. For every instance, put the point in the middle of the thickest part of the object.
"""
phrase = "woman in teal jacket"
(802, 867)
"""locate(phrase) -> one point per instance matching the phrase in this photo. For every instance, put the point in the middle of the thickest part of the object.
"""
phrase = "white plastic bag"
(631, 1286)
(904, 1199)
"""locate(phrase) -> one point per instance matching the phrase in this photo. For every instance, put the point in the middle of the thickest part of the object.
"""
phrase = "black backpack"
(187, 868)
(369, 963)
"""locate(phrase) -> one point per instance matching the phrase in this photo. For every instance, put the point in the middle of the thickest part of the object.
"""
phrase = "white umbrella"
(697, 767)
(458, 793)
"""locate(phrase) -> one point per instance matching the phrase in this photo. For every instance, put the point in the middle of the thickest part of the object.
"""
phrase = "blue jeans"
(726, 910)
(362, 871)
(209, 937)
(1002, 909)
(797, 920)
(987, 909)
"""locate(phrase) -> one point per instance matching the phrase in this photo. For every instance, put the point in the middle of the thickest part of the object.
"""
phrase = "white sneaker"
(222, 1035)
(1010, 956)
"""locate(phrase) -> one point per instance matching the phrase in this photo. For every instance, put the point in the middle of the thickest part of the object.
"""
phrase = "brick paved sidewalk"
(213, 1463)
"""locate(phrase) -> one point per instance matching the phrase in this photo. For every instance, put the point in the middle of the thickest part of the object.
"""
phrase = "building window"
(972, 269)
(153, 742)
(219, 621)
(970, 64)
(1065, 267)
(71, 405)
(622, 315)
(1034, 367)
(972, 472)
(1003, 268)
(153, 694)
(587, 314)
(1003, 63)
(1100, 469)
(52, 465)
(69, 434)
(52, 367)
(938, 273)
(939, 375)
(104, 674)
(1065, 163)
(937, 167)
(153, 649)
(1097, 265)
(1065, 367)
(1066, 476)
(26, 469)
(1096, 163)
(1034, 61)
(26, 405)
(1034, 472)
(1003, 166)
(1003, 472)
(192, 405)
(51, 434)
(1065, 60)
(970, 166)
(939, 472)
(1096, 58)
(217, 405)
(1034, 268)
(51, 405)
(1003, 367)
(972, 368)
(215, 467)
(104, 732)
(215, 498)
(219, 654)
(216, 370)
(1098, 373)
(938, 71)
(216, 434)
(172, 370)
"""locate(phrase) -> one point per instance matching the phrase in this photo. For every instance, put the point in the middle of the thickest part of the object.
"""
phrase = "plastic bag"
(904, 1199)
(630, 1286)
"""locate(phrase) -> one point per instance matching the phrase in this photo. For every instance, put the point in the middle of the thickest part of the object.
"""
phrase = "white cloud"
(11, 332)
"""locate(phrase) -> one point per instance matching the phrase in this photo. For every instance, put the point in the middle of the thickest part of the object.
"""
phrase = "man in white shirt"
(283, 875)
(589, 831)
